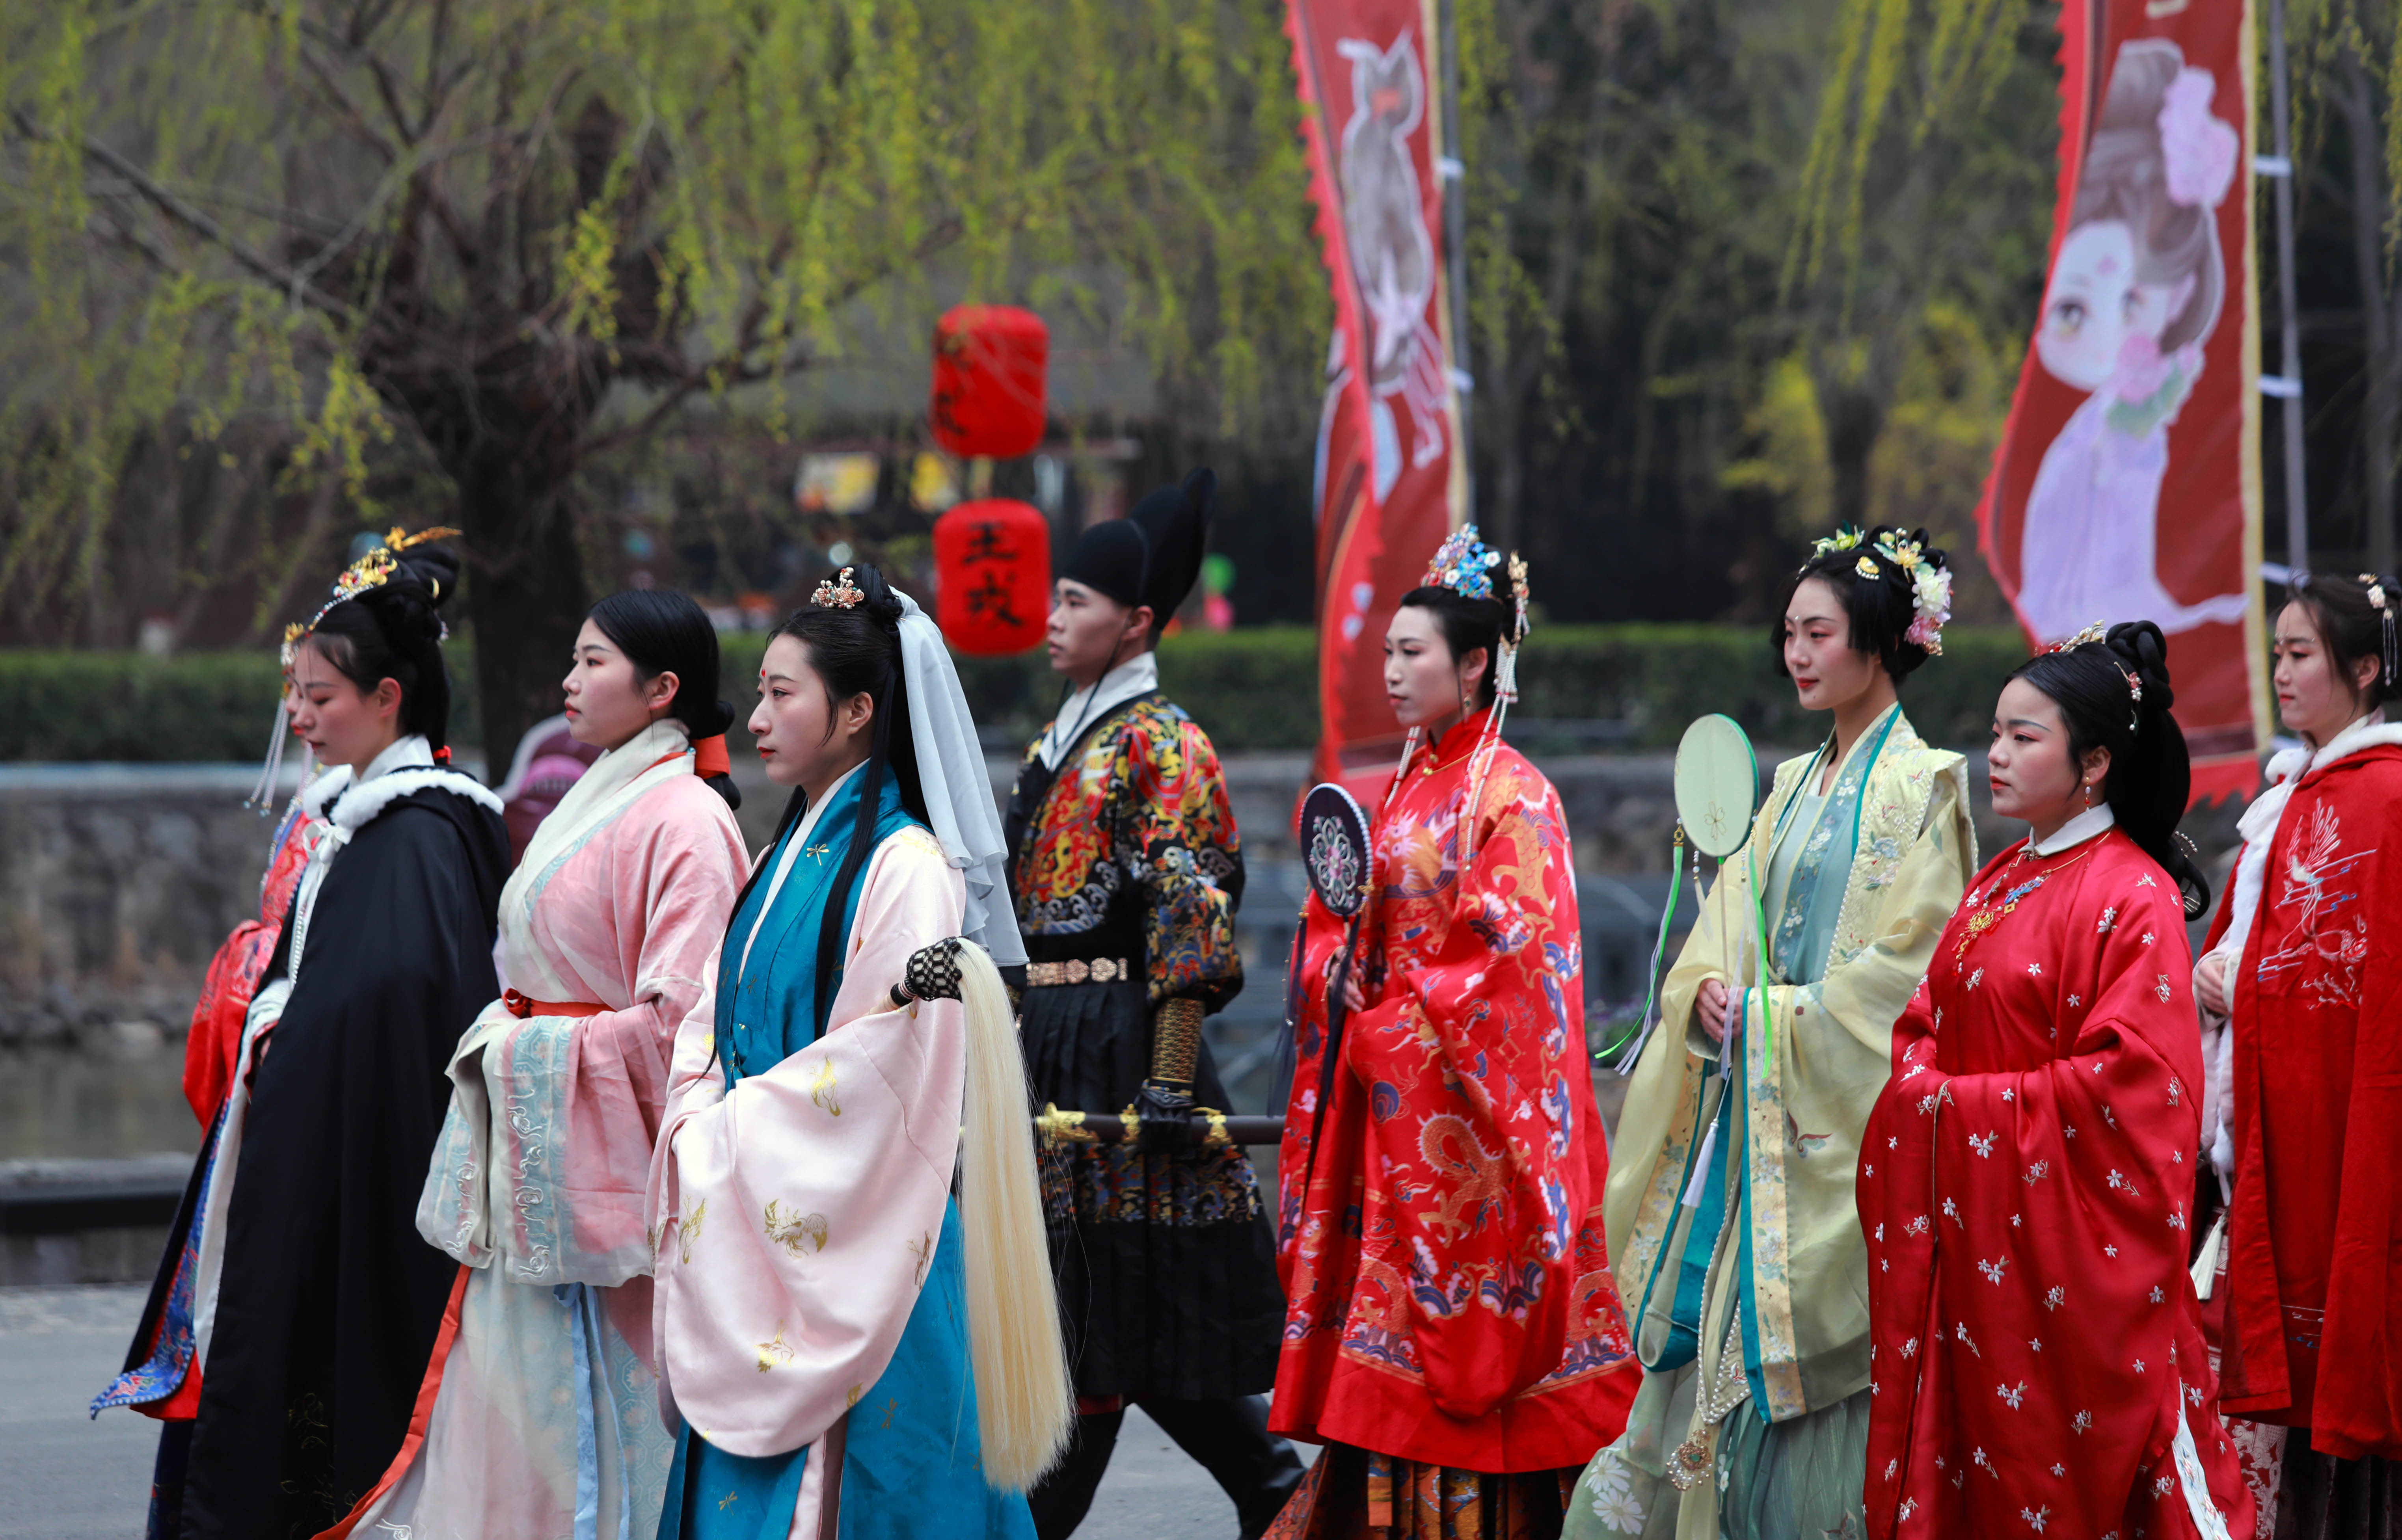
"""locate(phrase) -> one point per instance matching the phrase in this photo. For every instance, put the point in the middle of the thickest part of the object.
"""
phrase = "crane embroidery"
(2327, 935)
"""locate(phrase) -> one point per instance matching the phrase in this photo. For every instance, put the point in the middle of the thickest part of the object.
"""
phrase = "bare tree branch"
(193, 219)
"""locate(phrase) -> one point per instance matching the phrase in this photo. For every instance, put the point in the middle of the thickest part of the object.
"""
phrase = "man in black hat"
(1125, 867)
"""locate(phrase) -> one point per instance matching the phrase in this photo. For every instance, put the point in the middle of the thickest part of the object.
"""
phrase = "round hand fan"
(1717, 786)
(1334, 848)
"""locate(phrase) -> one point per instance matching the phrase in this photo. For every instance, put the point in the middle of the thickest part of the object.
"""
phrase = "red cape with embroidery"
(2026, 1185)
(1449, 1287)
(2314, 1231)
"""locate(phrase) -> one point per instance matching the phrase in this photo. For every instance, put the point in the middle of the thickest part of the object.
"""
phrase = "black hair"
(662, 631)
(1469, 623)
(2150, 775)
(1879, 609)
(2351, 627)
(393, 631)
(855, 651)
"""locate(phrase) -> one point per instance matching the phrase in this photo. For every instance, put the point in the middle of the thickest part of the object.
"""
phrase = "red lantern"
(992, 576)
(989, 365)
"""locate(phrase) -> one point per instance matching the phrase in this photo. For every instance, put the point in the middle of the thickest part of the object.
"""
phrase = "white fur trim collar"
(354, 811)
(2371, 730)
(2258, 824)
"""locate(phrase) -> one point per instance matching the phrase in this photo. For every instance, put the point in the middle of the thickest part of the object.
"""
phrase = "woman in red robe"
(2308, 1131)
(2027, 1178)
(1453, 1334)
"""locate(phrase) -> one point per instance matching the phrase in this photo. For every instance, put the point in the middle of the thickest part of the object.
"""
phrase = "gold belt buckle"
(1078, 970)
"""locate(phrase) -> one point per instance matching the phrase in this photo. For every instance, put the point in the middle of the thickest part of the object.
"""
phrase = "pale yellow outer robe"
(1810, 1099)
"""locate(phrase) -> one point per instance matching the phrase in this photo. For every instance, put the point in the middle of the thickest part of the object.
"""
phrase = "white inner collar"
(1137, 677)
(2093, 820)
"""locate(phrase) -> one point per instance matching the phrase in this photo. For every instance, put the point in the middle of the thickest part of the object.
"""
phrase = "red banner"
(1387, 489)
(2127, 486)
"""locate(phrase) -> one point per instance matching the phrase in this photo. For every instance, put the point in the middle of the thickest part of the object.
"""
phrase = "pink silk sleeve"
(797, 1214)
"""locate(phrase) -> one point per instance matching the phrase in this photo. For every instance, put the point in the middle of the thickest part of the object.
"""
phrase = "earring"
(2088, 793)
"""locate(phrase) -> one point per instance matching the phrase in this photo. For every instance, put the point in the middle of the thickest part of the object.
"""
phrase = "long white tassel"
(1025, 1405)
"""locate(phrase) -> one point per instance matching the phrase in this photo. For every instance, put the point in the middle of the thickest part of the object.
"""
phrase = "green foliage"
(479, 245)
(1252, 690)
(1737, 235)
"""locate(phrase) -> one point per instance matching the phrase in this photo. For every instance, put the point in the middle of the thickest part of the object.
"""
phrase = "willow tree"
(523, 233)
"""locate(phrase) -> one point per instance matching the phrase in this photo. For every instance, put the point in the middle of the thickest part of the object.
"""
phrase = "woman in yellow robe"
(1730, 1210)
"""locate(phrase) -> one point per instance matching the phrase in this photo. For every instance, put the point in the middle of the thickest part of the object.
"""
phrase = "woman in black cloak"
(312, 1303)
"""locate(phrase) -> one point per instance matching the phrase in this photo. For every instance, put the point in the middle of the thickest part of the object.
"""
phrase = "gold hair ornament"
(371, 570)
(838, 592)
(2095, 632)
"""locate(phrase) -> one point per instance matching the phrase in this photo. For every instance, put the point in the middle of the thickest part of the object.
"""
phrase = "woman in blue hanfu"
(1730, 1209)
(854, 1352)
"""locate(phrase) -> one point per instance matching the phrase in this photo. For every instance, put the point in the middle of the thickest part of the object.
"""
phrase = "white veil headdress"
(958, 788)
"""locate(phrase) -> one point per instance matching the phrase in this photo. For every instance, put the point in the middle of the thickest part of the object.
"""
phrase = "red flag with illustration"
(1387, 489)
(2127, 486)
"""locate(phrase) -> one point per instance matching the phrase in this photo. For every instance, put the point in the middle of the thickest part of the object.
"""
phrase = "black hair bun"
(716, 722)
(2142, 651)
(882, 604)
(437, 572)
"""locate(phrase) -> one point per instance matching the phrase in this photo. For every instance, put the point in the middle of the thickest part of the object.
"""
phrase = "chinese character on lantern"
(992, 576)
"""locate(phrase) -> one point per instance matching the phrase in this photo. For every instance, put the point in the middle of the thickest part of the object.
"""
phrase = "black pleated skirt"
(1167, 1265)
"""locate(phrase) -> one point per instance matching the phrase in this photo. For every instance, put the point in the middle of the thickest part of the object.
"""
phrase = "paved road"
(64, 1477)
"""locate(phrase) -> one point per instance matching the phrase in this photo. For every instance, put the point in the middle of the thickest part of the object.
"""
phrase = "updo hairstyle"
(1468, 624)
(2150, 775)
(393, 631)
(1880, 610)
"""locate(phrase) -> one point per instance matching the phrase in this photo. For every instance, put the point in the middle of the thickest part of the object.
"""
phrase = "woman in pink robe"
(540, 1401)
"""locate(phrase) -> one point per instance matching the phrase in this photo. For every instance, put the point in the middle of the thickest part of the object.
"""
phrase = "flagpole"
(2287, 384)
(1455, 236)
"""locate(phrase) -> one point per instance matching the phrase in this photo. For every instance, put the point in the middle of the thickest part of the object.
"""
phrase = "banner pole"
(2290, 387)
(1454, 172)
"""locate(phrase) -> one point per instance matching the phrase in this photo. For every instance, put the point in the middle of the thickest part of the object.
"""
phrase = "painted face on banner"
(2095, 306)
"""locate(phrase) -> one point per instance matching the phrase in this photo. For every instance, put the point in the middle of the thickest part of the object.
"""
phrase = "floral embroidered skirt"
(1166, 1264)
(1357, 1494)
(1792, 1481)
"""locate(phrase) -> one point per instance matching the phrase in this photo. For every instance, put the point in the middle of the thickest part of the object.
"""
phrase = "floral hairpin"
(1464, 564)
(838, 592)
(1930, 587)
(2379, 601)
(1841, 540)
(2136, 709)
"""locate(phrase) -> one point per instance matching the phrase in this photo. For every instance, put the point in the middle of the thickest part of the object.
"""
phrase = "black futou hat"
(1111, 558)
(1177, 520)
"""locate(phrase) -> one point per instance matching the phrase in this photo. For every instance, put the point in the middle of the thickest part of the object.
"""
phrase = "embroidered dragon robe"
(1451, 1300)
(2027, 1184)
(1732, 1214)
(2314, 1229)
(543, 1400)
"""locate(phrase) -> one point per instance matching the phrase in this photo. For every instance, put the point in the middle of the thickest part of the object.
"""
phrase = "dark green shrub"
(1251, 690)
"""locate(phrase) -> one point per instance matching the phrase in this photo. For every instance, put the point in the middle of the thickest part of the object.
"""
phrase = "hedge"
(1253, 690)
